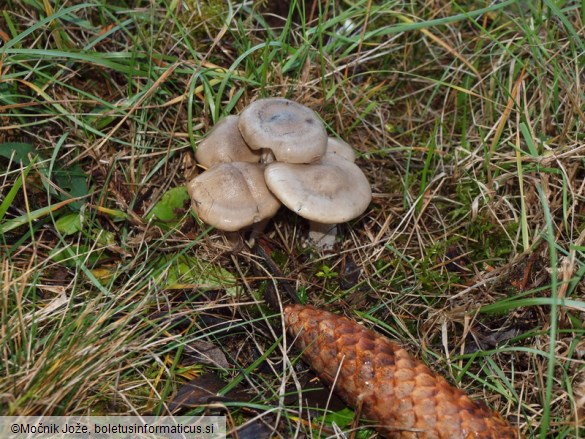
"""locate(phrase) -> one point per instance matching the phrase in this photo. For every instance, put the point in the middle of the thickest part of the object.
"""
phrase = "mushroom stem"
(234, 241)
(322, 235)
(256, 231)
(267, 156)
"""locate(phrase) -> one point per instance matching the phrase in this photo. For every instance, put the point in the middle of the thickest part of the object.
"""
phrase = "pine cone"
(397, 392)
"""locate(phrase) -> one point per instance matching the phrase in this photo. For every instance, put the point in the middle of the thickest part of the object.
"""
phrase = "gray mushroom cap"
(340, 148)
(225, 144)
(293, 132)
(330, 192)
(232, 196)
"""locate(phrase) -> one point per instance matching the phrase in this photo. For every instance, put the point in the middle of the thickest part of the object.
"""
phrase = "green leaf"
(104, 238)
(29, 217)
(69, 224)
(100, 117)
(172, 205)
(74, 255)
(7, 202)
(73, 181)
(17, 151)
(189, 272)
(343, 419)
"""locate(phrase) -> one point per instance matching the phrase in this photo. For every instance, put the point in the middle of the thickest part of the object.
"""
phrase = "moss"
(489, 240)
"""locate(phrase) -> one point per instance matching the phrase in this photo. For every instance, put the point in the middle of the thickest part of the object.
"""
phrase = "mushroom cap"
(340, 148)
(332, 191)
(225, 144)
(232, 196)
(293, 132)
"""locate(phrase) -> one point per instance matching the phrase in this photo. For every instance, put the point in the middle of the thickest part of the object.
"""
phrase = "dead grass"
(469, 127)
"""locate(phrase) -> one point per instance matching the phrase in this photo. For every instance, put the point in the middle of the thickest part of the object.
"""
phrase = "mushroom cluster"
(277, 151)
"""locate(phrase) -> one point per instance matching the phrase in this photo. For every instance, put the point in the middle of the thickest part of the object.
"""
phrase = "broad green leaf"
(101, 117)
(172, 205)
(14, 223)
(73, 181)
(69, 224)
(343, 419)
(75, 254)
(7, 202)
(17, 151)
(189, 272)
(104, 238)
